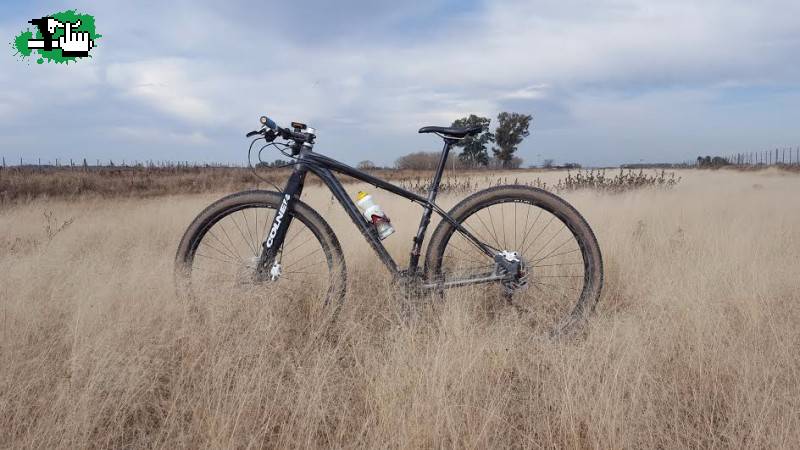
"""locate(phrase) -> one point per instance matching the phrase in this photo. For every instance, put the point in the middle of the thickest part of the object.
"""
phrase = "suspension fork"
(276, 234)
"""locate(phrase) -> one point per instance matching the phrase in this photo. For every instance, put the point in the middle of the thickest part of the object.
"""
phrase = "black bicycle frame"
(323, 167)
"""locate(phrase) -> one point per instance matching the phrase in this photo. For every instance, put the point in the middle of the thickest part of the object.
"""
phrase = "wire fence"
(779, 156)
(85, 163)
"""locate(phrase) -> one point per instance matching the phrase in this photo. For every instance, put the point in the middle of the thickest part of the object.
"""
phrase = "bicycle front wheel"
(561, 267)
(219, 252)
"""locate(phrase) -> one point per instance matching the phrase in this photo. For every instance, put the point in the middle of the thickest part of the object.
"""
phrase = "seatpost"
(426, 214)
(437, 177)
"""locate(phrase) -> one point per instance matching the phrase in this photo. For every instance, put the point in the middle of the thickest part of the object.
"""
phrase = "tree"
(474, 151)
(548, 164)
(709, 161)
(426, 161)
(512, 128)
(275, 164)
(366, 165)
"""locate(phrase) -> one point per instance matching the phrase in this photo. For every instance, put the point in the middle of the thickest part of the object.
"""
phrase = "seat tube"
(416, 249)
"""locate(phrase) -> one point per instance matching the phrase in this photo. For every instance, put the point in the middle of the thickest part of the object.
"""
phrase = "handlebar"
(270, 131)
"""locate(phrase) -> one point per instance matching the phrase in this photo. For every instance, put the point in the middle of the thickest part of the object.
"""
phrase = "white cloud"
(533, 92)
(166, 85)
(600, 65)
(152, 135)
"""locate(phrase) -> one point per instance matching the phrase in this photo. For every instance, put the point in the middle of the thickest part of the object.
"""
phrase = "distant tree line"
(274, 164)
(551, 164)
(711, 161)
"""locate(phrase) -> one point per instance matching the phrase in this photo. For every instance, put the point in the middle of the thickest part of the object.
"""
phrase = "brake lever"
(253, 133)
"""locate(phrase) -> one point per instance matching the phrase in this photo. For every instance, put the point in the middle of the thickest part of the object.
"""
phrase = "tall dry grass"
(694, 343)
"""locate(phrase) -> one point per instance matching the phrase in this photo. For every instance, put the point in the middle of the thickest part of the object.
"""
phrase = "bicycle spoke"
(477, 214)
(558, 276)
(565, 264)
(255, 253)
(233, 252)
(247, 227)
(465, 252)
(304, 241)
(557, 254)
(548, 242)
(225, 232)
(540, 233)
(255, 222)
(491, 221)
(222, 253)
(554, 286)
(477, 236)
(503, 226)
(515, 225)
(304, 257)
(225, 261)
(533, 225)
(569, 239)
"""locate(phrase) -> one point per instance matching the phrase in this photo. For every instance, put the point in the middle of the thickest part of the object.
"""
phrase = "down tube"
(355, 215)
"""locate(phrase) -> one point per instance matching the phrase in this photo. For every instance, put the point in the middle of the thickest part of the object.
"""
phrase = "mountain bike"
(524, 247)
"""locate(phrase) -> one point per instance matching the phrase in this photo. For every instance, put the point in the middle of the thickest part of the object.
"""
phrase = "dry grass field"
(694, 344)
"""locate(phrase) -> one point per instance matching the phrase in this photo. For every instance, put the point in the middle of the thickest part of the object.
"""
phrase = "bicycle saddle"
(453, 132)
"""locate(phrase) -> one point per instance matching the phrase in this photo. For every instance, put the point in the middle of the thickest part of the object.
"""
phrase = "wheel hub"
(510, 265)
(260, 272)
(275, 271)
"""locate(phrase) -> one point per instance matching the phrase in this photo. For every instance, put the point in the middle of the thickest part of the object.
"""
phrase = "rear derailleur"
(514, 271)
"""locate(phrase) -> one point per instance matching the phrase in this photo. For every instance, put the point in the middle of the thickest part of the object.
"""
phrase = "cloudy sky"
(607, 81)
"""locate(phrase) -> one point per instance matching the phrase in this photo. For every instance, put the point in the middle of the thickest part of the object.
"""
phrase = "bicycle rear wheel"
(217, 257)
(562, 269)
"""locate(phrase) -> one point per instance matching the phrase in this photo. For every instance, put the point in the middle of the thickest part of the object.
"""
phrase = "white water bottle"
(374, 215)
